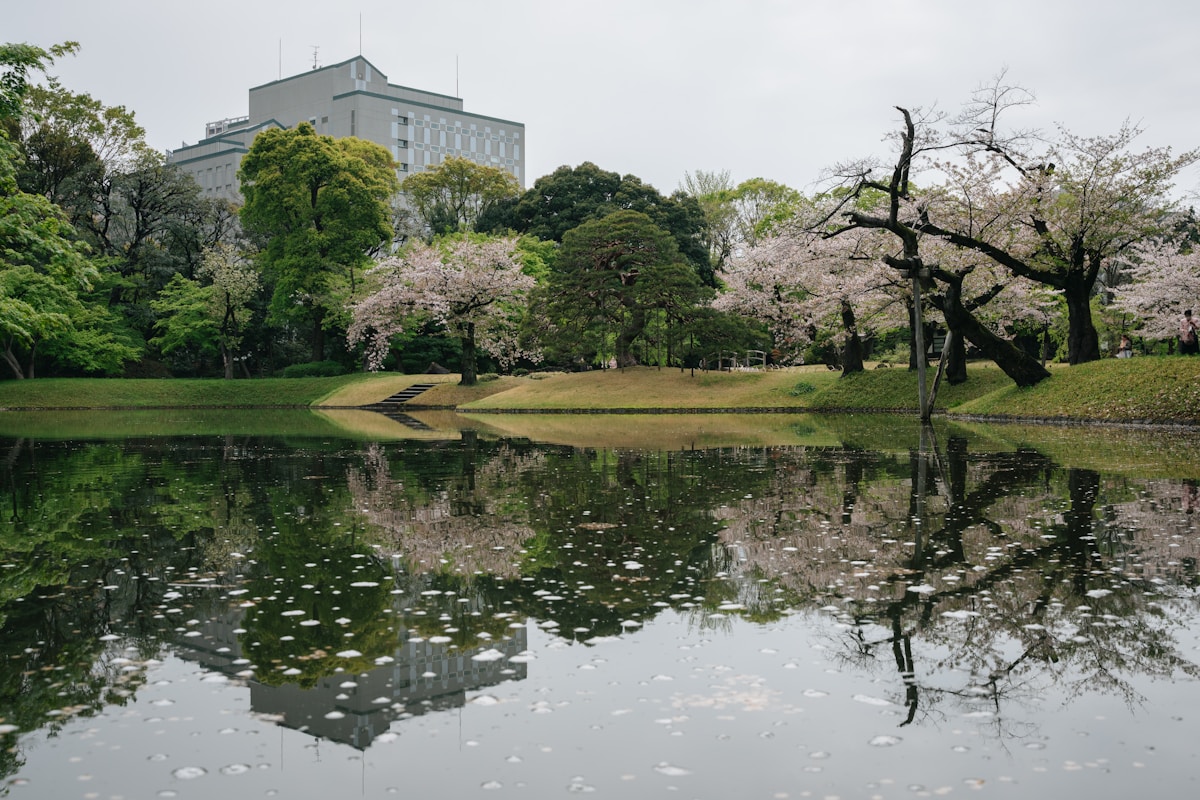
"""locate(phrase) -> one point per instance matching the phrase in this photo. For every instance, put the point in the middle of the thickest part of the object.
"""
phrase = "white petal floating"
(663, 768)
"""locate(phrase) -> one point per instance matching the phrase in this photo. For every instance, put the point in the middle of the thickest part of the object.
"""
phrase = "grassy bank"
(83, 393)
(1141, 390)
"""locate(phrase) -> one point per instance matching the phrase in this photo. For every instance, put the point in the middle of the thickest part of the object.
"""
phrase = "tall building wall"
(353, 98)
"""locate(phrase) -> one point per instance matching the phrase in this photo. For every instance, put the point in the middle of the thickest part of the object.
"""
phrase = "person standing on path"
(1188, 344)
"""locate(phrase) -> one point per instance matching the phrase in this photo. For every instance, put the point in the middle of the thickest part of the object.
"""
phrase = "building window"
(353, 126)
(402, 142)
(403, 167)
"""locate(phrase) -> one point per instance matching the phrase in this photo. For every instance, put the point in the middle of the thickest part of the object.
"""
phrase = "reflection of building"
(354, 709)
(424, 677)
(354, 98)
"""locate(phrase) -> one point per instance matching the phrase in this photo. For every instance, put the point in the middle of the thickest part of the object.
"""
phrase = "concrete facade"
(354, 98)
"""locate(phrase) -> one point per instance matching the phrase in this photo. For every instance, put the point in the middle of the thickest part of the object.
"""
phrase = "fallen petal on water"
(663, 768)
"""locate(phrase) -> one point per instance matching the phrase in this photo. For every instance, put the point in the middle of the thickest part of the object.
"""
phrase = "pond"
(316, 606)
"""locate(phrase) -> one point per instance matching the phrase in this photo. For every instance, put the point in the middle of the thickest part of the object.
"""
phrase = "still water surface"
(839, 607)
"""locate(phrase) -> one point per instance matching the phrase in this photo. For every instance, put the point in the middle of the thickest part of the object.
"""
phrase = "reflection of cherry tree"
(935, 560)
(470, 524)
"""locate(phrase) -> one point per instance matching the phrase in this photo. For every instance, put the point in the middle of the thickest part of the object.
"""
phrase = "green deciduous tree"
(43, 270)
(145, 220)
(17, 60)
(211, 314)
(449, 197)
(737, 217)
(322, 205)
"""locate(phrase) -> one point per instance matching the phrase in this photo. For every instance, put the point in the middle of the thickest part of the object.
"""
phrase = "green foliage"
(449, 197)
(322, 205)
(801, 389)
(185, 320)
(16, 62)
(569, 197)
(737, 217)
(43, 277)
(313, 369)
(537, 256)
(609, 275)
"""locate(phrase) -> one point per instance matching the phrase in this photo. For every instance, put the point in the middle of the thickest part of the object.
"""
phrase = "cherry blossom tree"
(1163, 284)
(473, 285)
(904, 213)
(1065, 220)
(1057, 211)
(799, 282)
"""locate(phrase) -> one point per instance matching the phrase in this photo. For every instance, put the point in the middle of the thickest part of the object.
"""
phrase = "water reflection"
(355, 586)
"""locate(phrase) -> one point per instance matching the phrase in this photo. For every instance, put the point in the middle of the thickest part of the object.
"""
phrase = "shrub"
(313, 369)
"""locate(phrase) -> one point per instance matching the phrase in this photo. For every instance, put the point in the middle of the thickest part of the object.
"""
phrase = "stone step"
(404, 395)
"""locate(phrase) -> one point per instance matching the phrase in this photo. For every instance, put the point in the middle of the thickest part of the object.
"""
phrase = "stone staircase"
(404, 395)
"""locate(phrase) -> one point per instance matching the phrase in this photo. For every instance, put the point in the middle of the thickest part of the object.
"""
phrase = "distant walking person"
(1188, 345)
(1126, 348)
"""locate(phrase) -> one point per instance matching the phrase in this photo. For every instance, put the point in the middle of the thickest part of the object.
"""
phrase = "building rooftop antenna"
(315, 48)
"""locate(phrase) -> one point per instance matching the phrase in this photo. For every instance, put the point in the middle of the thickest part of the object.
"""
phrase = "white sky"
(779, 89)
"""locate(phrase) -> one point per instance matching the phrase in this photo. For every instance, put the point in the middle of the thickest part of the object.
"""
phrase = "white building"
(354, 98)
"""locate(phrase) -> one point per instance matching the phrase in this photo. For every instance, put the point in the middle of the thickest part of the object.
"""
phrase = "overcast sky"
(780, 89)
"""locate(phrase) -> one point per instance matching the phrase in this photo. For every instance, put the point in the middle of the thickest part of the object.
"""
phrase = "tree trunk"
(227, 361)
(10, 358)
(912, 334)
(318, 340)
(469, 378)
(1083, 343)
(852, 355)
(628, 335)
(956, 360)
(1016, 364)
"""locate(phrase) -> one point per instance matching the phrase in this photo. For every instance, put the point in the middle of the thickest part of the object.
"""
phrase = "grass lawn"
(649, 388)
(1149, 389)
